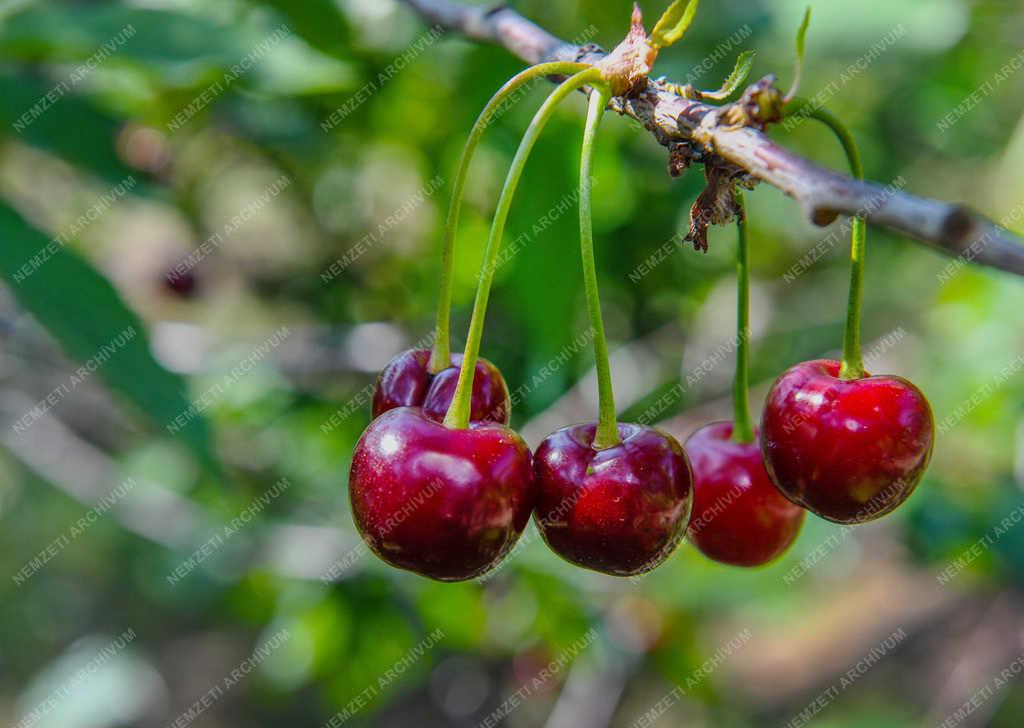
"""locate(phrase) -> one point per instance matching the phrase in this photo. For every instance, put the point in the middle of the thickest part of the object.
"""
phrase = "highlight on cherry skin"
(406, 381)
(739, 516)
(849, 451)
(443, 502)
(620, 510)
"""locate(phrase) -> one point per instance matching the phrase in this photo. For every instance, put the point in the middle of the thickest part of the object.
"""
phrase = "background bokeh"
(174, 446)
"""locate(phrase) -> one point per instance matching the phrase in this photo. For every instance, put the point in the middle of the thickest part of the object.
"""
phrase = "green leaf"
(320, 23)
(801, 34)
(739, 74)
(83, 312)
(65, 125)
(299, 48)
(674, 23)
(112, 33)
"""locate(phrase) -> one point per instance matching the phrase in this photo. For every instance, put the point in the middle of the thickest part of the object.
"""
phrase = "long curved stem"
(743, 427)
(440, 357)
(852, 366)
(607, 428)
(458, 413)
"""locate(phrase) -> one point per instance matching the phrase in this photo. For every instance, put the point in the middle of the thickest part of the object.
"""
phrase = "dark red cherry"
(739, 517)
(848, 450)
(444, 503)
(180, 283)
(490, 401)
(406, 382)
(620, 510)
(403, 382)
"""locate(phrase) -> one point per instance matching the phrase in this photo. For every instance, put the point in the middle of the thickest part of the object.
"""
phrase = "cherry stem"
(852, 366)
(607, 428)
(458, 413)
(743, 427)
(441, 355)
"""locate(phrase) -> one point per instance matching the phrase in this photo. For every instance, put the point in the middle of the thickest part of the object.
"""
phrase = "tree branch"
(704, 131)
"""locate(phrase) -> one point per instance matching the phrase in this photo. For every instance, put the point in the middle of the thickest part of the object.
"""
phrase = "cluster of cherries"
(620, 509)
(440, 484)
(846, 450)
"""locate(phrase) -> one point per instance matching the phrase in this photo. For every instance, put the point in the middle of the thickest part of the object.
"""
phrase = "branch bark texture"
(706, 135)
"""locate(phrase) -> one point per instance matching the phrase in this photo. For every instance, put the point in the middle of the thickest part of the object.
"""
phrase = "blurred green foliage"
(160, 98)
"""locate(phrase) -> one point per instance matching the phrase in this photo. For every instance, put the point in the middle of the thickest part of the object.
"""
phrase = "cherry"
(445, 503)
(180, 283)
(848, 450)
(490, 401)
(620, 510)
(406, 382)
(739, 516)
(403, 382)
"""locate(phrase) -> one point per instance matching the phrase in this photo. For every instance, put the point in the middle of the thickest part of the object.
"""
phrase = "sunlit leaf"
(674, 23)
(801, 34)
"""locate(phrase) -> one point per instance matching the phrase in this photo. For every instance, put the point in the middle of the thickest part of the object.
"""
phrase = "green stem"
(810, 110)
(743, 427)
(440, 358)
(458, 413)
(852, 366)
(607, 428)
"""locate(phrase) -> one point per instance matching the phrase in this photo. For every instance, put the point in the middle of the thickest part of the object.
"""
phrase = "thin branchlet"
(733, 134)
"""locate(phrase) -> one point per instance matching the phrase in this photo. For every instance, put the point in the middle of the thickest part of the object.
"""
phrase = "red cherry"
(403, 382)
(406, 382)
(490, 400)
(444, 503)
(739, 516)
(181, 284)
(620, 510)
(848, 450)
